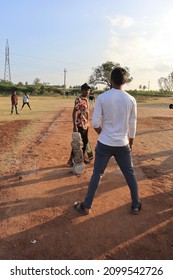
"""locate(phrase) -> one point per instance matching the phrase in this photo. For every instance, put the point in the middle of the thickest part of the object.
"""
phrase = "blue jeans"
(122, 155)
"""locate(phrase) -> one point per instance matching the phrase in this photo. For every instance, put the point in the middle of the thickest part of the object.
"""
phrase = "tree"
(20, 84)
(36, 81)
(37, 86)
(144, 87)
(166, 84)
(101, 74)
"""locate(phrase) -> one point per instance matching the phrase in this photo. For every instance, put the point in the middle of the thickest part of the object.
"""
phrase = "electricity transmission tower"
(7, 73)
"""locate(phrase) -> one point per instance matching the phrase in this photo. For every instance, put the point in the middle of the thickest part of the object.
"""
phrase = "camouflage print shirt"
(82, 108)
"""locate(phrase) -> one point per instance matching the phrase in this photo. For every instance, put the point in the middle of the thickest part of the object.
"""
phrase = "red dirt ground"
(37, 192)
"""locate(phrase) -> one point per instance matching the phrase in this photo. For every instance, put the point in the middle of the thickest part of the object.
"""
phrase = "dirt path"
(37, 191)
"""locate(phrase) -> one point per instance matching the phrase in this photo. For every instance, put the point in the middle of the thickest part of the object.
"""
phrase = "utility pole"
(148, 85)
(7, 73)
(65, 76)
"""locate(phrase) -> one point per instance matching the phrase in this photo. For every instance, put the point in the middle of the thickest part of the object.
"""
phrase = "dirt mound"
(9, 132)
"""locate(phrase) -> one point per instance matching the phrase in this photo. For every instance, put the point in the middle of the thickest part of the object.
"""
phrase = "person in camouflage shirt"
(80, 117)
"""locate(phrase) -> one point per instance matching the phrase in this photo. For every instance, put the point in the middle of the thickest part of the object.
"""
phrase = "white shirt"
(116, 112)
(25, 98)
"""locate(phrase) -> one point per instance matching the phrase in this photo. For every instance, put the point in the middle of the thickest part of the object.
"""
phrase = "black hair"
(119, 76)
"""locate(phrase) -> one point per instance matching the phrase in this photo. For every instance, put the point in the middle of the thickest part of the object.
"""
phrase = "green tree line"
(6, 88)
(100, 75)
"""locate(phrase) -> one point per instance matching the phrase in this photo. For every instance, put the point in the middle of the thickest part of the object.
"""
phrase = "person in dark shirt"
(14, 102)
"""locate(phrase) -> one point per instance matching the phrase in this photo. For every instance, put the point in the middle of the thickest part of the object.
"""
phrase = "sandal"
(86, 161)
(79, 207)
(136, 210)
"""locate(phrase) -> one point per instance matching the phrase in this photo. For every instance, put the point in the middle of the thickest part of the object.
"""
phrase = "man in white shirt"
(114, 119)
(26, 101)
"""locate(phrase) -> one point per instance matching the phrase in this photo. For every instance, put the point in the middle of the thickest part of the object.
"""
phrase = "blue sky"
(46, 36)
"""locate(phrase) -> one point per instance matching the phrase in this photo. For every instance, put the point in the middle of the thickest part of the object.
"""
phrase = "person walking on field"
(14, 102)
(114, 120)
(26, 101)
(91, 99)
(80, 120)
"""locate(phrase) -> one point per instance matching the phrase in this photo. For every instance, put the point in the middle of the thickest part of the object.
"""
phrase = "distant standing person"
(114, 120)
(26, 101)
(14, 102)
(91, 99)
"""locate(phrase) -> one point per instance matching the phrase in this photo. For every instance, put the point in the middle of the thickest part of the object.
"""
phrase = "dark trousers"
(12, 108)
(122, 155)
(24, 105)
(84, 136)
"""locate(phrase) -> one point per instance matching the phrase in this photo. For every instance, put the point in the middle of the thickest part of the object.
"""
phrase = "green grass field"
(40, 107)
(44, 104)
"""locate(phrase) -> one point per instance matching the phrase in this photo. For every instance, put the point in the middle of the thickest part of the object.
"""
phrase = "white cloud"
(146, 47)
(122, 21)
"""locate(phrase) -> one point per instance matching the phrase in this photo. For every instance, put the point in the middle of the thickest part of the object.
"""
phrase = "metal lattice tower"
(7, 73)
